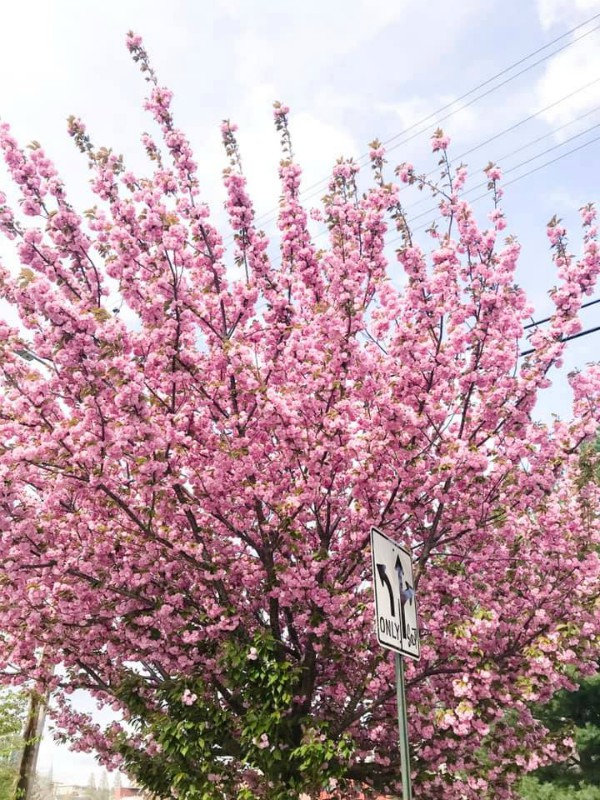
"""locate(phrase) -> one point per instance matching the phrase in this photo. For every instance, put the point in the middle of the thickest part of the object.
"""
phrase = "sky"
(351, 70)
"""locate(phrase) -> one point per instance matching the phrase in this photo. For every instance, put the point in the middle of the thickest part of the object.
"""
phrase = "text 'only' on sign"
(395, 600)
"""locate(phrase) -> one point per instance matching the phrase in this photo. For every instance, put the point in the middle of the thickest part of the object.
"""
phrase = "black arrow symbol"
(384, 579)
(399, 571)
(401, 594)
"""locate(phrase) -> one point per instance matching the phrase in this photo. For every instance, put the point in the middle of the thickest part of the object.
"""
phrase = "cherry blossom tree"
(186, 498)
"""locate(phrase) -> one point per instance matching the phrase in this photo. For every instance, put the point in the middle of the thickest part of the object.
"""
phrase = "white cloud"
(567, 201)
(419, 114)
(326, 29)
(254, 57)
(317, 144)
(565, 12)
(565, 73)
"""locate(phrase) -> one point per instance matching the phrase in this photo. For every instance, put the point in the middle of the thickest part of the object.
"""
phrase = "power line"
(493, 89)
(514, 180)
(486, 194)
(531, 117)
(531, 142)
(564, 339)
(434, 115)
(525, 146)
(542, 153)
(499, 135)
(553, 160)
(547, 319)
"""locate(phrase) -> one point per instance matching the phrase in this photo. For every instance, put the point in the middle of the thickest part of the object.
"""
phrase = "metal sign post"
(396, 625)
(403, 728)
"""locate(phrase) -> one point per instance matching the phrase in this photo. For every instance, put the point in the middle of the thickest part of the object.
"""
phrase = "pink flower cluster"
(439, 141)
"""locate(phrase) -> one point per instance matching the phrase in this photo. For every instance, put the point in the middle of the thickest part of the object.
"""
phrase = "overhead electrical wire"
(529, 118)
(511, 128)
(502, 133)
(515, 167)
(547, 319)
(540, 154)
(434, 115)
(513, 180)
(552, 161)
(489, 91)
(564, 339)
(501, 159)
(480, 197)
(305, 194)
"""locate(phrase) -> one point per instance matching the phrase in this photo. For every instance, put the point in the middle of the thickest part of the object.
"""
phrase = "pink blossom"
(405, 172)
(493, 173)
(439, 141)
(280, 110)
(188, 698)
(262, 742)
(133, 40)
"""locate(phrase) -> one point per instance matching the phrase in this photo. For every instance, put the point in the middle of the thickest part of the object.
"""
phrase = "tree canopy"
(185, 499)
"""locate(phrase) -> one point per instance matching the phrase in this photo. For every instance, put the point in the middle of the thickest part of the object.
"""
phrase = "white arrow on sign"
(395, 599)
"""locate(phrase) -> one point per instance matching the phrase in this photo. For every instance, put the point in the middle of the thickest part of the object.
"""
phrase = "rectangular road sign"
(395, 600)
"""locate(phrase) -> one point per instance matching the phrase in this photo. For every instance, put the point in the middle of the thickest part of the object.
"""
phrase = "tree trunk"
(32, 737)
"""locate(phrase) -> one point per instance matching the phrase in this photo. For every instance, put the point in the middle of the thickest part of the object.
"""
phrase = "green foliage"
(590, 462)
(580, 709)
(573, 712)
(13, 707)
(576, 713)
(199, 734)
(533, 789)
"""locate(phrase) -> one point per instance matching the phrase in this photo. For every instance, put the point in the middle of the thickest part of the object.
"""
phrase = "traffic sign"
(395, 600)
